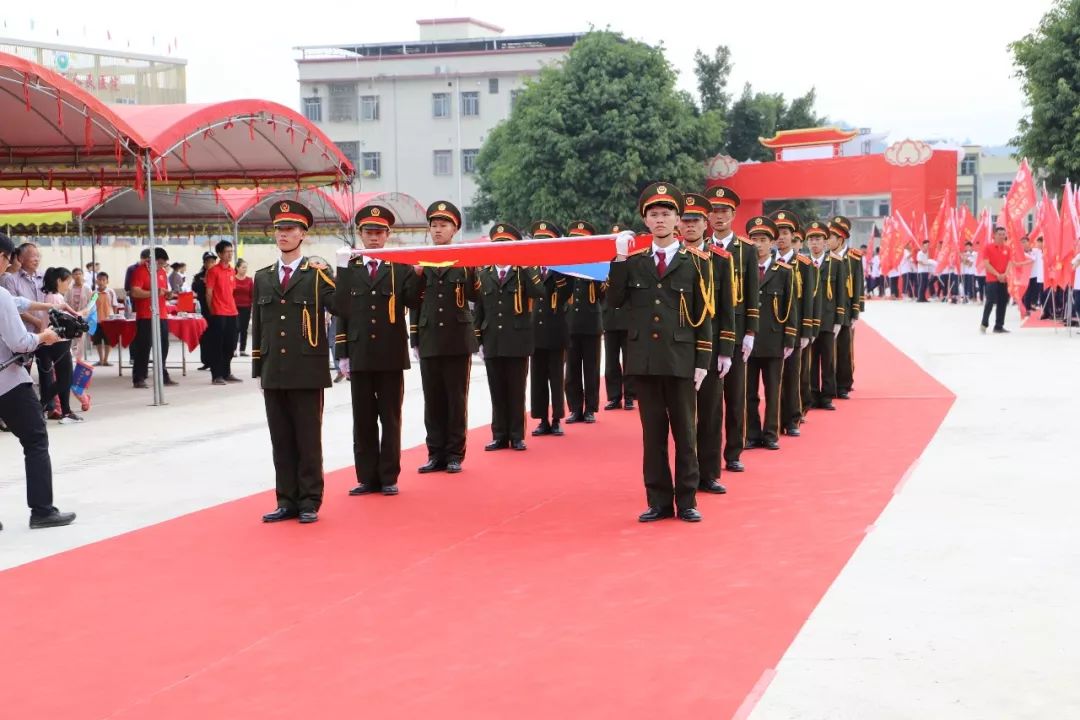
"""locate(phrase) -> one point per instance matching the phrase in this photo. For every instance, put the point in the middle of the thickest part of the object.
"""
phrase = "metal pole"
(155, 314)
(457, 164)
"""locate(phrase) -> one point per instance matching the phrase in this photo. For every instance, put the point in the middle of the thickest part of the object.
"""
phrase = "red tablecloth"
(122, 331)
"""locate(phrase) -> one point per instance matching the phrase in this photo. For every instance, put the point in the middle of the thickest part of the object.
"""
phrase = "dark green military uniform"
(586, 332)
(790, 391)
(669, 338)
(806, 399)
(618, 387)
(373, 334)
(505, 330)
(551, 335)
(744, 264)
(833, 302)
(777, 330)
(853, 281)
(443, 334)
(290, 356)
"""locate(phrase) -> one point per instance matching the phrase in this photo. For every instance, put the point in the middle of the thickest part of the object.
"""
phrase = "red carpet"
(1035, 320)
(521, 588)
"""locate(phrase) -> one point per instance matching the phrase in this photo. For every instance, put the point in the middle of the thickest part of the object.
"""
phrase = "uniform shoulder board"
(721, 251)
(700, 253)
(804, 260)
(783, 264)
(639, 252)
(855, 253)
(269, 268)
(746, 242)
(835, 256)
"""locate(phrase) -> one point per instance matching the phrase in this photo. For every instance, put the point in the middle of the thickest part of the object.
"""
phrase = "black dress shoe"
(52, 519)
(654, 514)
(1000, 331)
(770, 445)
(544, 428)
(574, 418)
(690, 515)
(751, 444)
(453, 467)
(497, 445)
(432, 465)
(279, 515)
(141, 385)
(390, 490)
(842, 396)
(734, 466)
(556, 428)
(218, 381)
(205, 367)
(792, 431)
(825, 406)
(232, 379)
(629, 405)
(518, 445)
(712, 487)
(170, 383)
(308, 516)
(363, 489)
(613, 405)
(590, 418)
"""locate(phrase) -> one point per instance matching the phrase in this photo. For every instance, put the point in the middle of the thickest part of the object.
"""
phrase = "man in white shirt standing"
(924, 265)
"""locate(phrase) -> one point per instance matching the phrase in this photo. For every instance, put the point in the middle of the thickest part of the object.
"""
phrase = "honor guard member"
(776, 338)
(442, 337)
(854, 287)
(551, 335)
(617, 385)
(804, 362)
(290, 356)
(668, 350)
(586, 330)
(724, 203)
(833, 301)
(787, 225)
(505, 330)
(372, 347)
(715, 278)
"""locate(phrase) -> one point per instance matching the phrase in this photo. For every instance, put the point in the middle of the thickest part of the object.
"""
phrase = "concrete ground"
(959, 604)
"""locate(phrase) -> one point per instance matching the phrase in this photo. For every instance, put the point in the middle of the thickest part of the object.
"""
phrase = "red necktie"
(502, 276)
(661, 263)
(373, 267)
(286, 273)
(760, 273)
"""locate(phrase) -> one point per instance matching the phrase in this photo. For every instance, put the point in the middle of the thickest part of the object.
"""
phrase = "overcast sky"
(920, 68)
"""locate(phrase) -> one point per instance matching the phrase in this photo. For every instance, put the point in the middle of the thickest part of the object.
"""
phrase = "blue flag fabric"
(585, 271)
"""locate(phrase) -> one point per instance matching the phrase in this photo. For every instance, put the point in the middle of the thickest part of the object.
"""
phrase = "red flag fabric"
(1070, 237)
(948, 256)
(1050, 230)
(557, 251)
(938, 230)
(875, 237)
(888, 242)
(1018, 203)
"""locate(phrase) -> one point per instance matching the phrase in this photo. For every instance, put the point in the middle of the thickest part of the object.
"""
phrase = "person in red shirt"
(224, 320)
(140, 293)
(997, 265)
(242, 292)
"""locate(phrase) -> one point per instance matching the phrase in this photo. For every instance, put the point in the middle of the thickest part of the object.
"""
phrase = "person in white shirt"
(967, 270)
(925, 265)
(908, 275)
(876, 280)
(1034, 264)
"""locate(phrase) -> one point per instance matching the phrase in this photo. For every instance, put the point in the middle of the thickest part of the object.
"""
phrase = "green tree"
(712, 79)
(753, 116)
(1048, 64)
(588, 135)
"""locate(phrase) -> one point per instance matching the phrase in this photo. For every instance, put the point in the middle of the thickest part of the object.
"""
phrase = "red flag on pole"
(1070, 236)
(937, 230)
(948, 256)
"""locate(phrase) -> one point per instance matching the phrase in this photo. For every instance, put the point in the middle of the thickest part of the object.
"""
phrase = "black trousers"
(997, 296)
(805, 363)
(879, 283)
(668, 404)
(445, 381)
(823, 367)
(21, 413)
(911, 282)
(295, 421)
(243, 321)
(845, 359)
(894, 286)
(546, 384)
(376, 400)
(506, 381)
(55, 366)
(791, 390)
(733, 400)
(617, 386)
(969, 286)
(142, 346)
(709, 425)
(924, 286)
(206, 340)
(980, 286)
(583, 374)
(1033, 295)
(223, 345)
(763, 371)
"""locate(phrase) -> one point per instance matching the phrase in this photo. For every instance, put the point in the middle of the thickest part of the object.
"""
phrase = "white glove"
(480, 352)
(836, 329)
(787, 352)
(699, 377)
(416, 354)
(343, 366)
(723, 365)
(622, 243)
(747, 347)
(343, 256)
(803, 342)
(853, 321)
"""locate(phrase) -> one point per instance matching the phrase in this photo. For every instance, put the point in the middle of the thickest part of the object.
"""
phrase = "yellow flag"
(240, 250)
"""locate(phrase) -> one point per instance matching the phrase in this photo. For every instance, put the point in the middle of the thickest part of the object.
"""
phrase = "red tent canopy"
(328, 205)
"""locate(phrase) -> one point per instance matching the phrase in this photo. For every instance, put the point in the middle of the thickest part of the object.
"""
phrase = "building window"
(369, 107)
(471, 224)
(969, 164)
(514, 95)
(351, 150)
(966, 198)
(342, 102)
(468, 161)
(444, 162)
(470, 104)
(1003, 188)
(866, 208)
(313, 109)
(371, 164)
(493, 86)
(440, 105)
(883, 209)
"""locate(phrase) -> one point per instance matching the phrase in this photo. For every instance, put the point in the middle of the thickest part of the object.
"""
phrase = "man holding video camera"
(19, 406)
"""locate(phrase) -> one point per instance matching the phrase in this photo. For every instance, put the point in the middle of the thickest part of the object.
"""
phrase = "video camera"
(68, 327)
